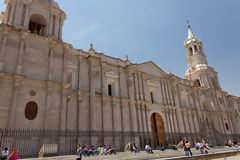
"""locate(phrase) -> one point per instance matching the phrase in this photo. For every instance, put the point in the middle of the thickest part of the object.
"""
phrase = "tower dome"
(50, 3)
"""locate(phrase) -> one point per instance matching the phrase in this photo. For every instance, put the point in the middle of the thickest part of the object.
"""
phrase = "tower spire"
(190, 33)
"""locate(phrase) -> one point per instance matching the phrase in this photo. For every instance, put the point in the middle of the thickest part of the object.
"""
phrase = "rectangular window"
(110, 90)
(151, 94)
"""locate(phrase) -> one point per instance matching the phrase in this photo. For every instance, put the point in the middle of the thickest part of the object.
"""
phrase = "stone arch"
(160, 112)
(190, 51)
(37, 24)
(195, 48)
(158, 129)
(197, 83)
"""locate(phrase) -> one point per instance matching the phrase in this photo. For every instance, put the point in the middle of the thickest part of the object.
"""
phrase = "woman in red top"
(14, 154)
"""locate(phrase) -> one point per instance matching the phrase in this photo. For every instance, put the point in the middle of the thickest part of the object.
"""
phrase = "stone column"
(11, 19)
(170, 93)
(50, 65)
(2, 49)
(145, 107)
(133, 110)
(141, 99)
(121, 109)
(172, 123)
(17, 15)
(161, 90)
(13, 111)
(217, 109)
(167, 93)
(176, 120)
(47, 104)
(102, 101)
(164, 92)
(79, 95)
(50, 26)
(167, 126)
(7, 14)
(56, 29)
(60, 28)
(64, 63)
(21, 55)
(63, 107)
(179, 112)
(168, 120)
(91, 91)
(27, 18)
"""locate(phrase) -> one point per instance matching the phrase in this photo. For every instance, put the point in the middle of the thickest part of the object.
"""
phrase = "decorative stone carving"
(153, 83)
(32, 93)
(111, 74)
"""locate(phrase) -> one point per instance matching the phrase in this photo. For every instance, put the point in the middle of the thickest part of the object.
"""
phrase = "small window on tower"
(110, 90)
(191, 51)
(195, 48)
(200, 50)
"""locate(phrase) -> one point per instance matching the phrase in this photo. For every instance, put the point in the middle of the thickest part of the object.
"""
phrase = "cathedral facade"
(47, 84)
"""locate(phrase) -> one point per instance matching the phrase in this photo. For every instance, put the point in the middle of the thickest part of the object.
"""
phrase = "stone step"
(142, 155)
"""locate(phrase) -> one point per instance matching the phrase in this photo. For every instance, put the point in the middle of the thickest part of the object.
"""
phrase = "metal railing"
(30, 141)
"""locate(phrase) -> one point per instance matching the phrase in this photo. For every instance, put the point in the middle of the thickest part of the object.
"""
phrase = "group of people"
(161, 147)
(134, 148)
(87, 150)
(186, 146)
(231, 143)
(202, 146)
(4, 155)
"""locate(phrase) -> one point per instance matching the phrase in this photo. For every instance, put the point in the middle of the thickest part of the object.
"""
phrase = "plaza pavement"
(166, 155)
(230, 158)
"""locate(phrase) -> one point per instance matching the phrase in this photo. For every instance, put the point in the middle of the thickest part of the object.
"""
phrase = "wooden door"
(158, 130)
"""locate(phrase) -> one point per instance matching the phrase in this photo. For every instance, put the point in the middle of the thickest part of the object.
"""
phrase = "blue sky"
(155, 30)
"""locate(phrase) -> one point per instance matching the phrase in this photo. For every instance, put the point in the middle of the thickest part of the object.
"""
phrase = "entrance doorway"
(158, 130)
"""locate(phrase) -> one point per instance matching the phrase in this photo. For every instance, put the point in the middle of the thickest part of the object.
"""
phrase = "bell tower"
(198, 69)
(40, 17)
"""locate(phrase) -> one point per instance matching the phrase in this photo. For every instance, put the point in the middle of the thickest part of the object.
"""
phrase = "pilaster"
(21, 52)
(13, 111)
(2, 49)
(50, 65)
(63, 107)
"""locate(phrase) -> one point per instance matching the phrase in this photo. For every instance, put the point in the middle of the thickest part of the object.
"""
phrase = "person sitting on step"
(148, 148)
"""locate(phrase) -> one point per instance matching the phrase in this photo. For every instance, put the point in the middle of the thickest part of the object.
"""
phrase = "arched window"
(31, 110)
(197, 83)
(195, 48)
(190, 51)
(37, 24)
(109, 89)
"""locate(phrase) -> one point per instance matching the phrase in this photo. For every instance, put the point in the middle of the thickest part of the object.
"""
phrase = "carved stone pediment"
(151, 69)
